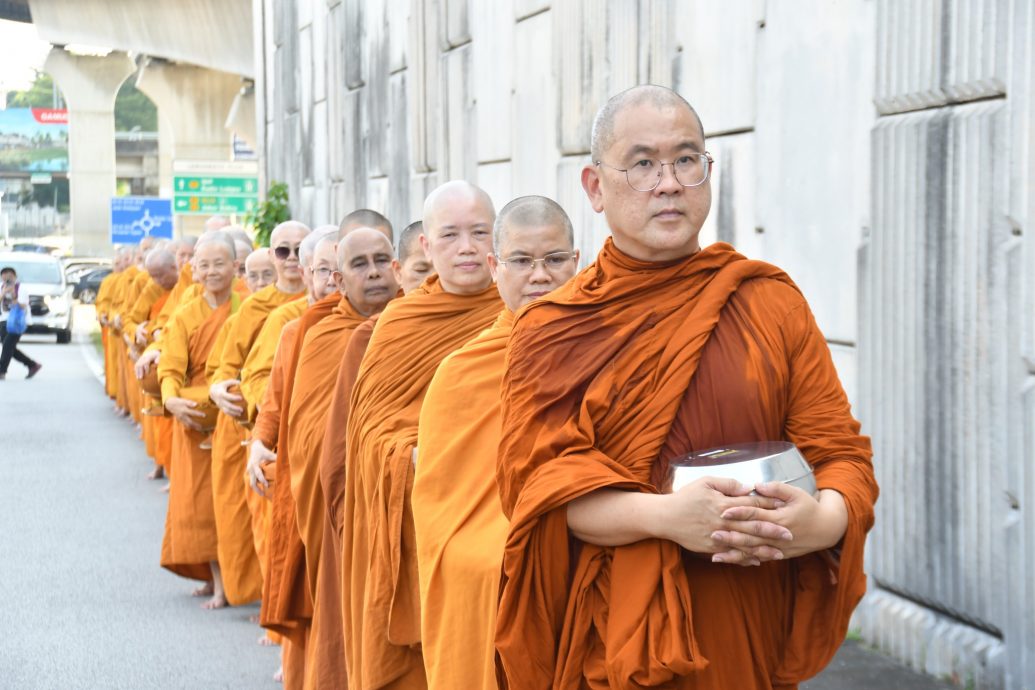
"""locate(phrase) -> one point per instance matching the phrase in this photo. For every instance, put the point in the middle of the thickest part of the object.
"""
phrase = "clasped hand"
(259, 455)
(227, 402)
(184, 410)
(721, 517)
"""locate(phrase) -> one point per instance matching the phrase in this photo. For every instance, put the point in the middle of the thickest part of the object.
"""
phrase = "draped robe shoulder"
(607, 380)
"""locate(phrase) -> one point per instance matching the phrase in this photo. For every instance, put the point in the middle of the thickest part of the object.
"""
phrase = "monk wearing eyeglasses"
(659, 348)
(381, 607)
(458, 519)
(242, 579)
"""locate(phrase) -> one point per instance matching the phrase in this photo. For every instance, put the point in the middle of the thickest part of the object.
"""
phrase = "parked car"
(50, 296)
(85, 289)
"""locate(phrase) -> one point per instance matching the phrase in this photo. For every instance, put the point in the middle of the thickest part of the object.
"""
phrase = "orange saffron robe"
(102, 304)
(317, 370)
(238, 561)
(327, 641)
(379, 566)
(287, 603)
(149, 303)
(608, 379)
(190, 542)
(457, 515)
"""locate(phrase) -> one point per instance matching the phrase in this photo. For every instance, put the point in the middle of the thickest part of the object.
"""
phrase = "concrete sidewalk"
(858, 668)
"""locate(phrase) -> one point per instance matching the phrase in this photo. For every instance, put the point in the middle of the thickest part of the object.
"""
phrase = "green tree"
(270, 213)
(134, 110)
(40, 95)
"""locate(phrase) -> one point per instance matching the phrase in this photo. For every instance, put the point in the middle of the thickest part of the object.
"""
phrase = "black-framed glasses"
(283, 252)
(690, 169)
(526, 264)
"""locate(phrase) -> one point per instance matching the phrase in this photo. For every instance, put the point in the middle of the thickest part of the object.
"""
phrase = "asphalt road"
(83, 601)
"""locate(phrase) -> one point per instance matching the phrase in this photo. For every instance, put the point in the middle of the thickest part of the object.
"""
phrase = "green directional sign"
(215, 186)
(190, 204)
(210, 187)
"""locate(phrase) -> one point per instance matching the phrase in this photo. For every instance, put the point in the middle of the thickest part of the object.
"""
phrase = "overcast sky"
(21, 53)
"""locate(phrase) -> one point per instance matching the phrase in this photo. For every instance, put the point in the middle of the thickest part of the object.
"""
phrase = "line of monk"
(446, 462)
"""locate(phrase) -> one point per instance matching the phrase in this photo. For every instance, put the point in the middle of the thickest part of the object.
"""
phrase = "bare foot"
(265, 641)
(278, 677)
(205, 590)
(157, 473)
(164, 489)
(218, 601)
(254, 619)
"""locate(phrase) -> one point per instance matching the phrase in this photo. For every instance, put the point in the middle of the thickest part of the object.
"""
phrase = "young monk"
(189, 547)
(412, 266)
(242, 577)
(381, 602)
(661, 348)
(459, 523)
(365, 282)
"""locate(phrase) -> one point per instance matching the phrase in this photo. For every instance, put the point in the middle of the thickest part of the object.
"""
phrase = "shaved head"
(220, 238)
(445, 196)
(160, 264)
(358, 239)
(288, 227)
(325, 263)
(189, 240)
(216, 223)
(240, 235)
(409, 240)
(660, 97)
(242, 248)
(366, 218)
(307, 249)
(530, 212)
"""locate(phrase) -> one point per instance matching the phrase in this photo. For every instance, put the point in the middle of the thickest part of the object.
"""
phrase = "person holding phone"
(9, 297)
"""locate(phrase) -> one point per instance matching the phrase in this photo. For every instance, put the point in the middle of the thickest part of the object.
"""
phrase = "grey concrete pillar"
(90, 85)
(193, 104)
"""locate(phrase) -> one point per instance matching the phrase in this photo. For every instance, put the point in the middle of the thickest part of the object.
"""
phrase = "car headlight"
(56, 303)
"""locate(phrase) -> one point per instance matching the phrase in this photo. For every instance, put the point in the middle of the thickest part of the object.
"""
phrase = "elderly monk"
(189, 547)
(458, 520)
(213, 223)
(412, 266)
(242, 578)
(160, 265)
(657, 349)
(326, 635)
(130, 296)
(366, 283)
(273, 520)
(259, 269)
(113, 309)
(381, 609)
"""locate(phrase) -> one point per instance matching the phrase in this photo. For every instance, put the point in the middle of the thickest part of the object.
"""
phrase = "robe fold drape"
(609, 378)
(381, 610)
(457, 516)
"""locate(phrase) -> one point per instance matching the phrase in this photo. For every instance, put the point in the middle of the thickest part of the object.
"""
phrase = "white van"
(42, 278)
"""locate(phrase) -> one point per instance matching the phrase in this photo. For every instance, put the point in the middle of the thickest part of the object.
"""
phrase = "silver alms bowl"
(748, 463)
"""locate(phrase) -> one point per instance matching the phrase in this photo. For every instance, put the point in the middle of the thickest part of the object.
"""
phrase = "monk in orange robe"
(411, 266)
(115, 306)
(366, 282)
(102, 305)
(458, 520)
(286, 600)
(242, 577)
(659, 348)
(381, 608)
(160, 265)
(189, 547)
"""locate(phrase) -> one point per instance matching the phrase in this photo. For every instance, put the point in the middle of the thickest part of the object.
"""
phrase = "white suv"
(42, 278)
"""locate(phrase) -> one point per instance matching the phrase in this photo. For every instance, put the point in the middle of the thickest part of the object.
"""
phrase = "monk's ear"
(591, 183)
(494, 265)
(397, 271)
(424, 246)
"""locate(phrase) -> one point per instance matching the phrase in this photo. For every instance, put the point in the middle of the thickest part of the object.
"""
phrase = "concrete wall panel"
(455, 20)
(716, 61)
(458, 132)
(534, 107)
(493, 63)
(496, 180)
(355, 29)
